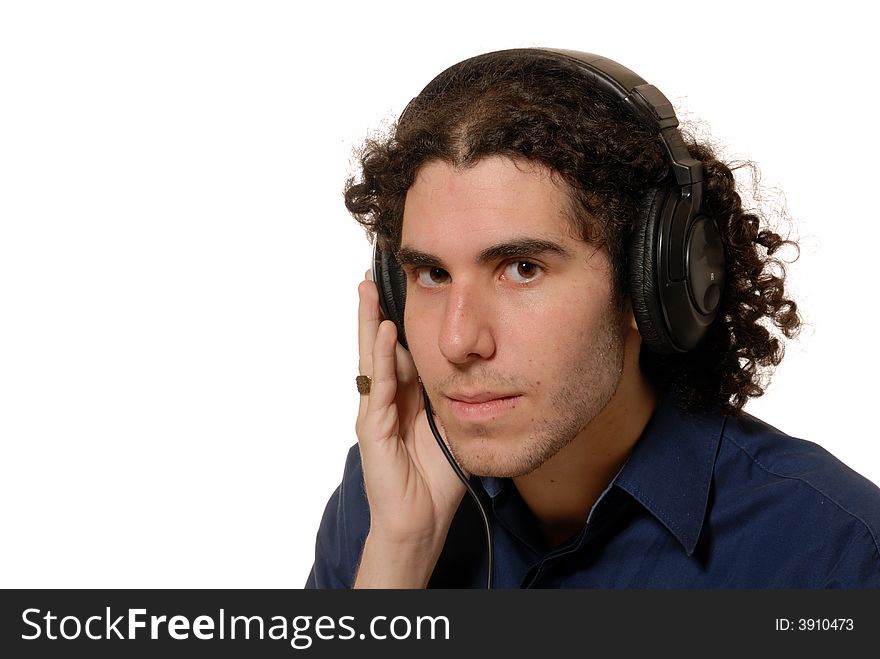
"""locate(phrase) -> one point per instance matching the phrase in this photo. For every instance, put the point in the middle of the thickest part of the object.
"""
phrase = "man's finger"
(369, 317)
(384, 386)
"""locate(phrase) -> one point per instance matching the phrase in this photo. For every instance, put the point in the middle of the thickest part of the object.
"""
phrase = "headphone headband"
(645, 101)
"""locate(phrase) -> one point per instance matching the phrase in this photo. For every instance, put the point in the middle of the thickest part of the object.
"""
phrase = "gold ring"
(363, 382)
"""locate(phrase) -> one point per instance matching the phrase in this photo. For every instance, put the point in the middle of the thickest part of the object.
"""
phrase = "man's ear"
(630, 317)
(632, 321)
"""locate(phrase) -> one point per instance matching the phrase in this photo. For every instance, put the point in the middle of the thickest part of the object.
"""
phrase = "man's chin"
(498, 470)
(482, 456)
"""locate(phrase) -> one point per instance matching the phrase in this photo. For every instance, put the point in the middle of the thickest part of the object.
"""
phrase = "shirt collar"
(669, 471)
(492, 485)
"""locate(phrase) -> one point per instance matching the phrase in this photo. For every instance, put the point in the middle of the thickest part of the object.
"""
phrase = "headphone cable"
(488, 529)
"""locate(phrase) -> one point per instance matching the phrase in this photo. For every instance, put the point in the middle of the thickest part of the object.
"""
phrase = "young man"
(586, 312)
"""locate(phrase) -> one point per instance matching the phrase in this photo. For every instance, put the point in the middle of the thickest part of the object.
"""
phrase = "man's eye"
(432, 277)
(522, 272)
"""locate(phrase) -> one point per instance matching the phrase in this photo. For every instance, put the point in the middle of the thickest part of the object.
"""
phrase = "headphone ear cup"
(390, 280)
(646, 305)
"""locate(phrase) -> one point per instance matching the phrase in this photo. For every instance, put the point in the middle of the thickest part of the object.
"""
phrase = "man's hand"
(412, 490)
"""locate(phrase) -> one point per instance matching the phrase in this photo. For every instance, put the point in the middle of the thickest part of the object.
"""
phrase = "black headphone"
(677, 264)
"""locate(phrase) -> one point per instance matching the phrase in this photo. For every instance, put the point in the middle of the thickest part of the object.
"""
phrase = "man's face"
(510, 317)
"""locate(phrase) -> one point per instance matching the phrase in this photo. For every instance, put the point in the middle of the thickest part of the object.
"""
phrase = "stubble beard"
(581, 393)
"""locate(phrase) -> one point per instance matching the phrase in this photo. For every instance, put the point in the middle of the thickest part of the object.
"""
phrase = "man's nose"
(468, 331)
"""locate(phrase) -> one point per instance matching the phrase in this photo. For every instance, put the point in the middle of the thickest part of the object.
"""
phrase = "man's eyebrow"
(518, 248)
(522, 248)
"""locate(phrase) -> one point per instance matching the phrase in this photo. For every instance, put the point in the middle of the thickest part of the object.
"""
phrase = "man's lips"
(482, 406)
(479, 397)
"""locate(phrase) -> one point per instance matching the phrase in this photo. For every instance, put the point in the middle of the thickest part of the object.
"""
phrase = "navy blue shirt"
(703, 501)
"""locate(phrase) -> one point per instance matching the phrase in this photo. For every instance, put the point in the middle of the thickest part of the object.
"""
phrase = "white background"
(178, 273)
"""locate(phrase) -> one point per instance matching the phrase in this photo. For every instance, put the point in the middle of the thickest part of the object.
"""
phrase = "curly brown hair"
(530, 104)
